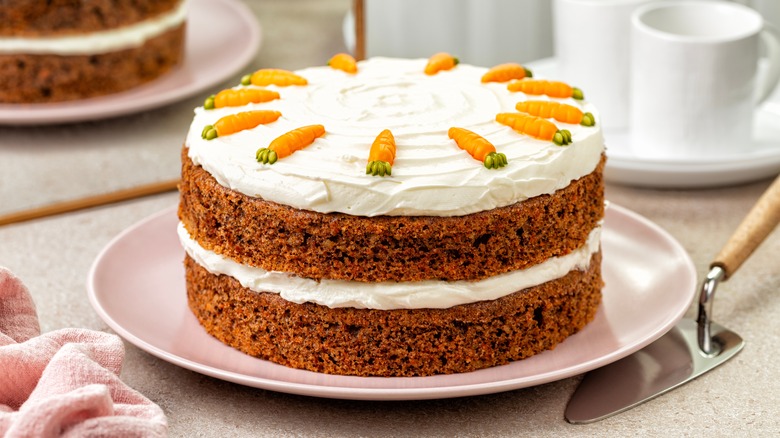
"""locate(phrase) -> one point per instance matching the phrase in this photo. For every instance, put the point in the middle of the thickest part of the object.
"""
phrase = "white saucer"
(222, 38)
(624, 167)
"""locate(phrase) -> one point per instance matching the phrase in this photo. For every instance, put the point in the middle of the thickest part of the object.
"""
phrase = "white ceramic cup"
(591, 44)
(694, 78)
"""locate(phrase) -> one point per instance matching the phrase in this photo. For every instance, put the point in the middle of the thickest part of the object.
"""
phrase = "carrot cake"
(61, 50)
(393, 217)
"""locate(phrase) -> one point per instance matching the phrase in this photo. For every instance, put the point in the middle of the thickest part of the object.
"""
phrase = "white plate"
(222, 38)
(136, 285)
(624, 167)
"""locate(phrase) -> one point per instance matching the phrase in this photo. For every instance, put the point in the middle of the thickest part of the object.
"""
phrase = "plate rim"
(393, 393)
(93, 109)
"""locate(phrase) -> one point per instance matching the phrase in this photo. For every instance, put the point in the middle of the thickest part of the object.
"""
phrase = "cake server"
(687, 351)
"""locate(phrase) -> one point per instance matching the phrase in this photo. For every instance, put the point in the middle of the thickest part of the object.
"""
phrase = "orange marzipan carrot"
(440, 61)
(233, 123)
(382, 154)
(534, 126)
(548, 88)
(383, 148)
(276, 76)
(559, 111)
(344, 62)
(289, 142)
(506, 72)
(240, 97)
(478, 147)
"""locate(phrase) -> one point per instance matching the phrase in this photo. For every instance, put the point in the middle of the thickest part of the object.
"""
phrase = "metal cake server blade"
(689, 349)
(671, 361)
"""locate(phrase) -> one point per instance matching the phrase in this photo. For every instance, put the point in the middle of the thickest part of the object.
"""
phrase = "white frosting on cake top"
(95, 43)
(430, 176)
(390, 294)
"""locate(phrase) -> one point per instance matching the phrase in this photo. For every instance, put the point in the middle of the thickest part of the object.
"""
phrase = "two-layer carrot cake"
(397, 217)
(60, 50)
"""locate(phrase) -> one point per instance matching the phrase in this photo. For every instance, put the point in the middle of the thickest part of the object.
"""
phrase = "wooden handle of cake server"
(90, 201)
(760, 221)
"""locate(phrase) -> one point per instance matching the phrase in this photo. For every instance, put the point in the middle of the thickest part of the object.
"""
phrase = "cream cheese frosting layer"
(96, 43)
(431, 175)
(390, 295)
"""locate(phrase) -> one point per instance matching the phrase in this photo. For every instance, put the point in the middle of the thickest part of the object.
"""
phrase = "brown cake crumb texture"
(414, 342)
(308, 244)
(66, 17)
(52, 78)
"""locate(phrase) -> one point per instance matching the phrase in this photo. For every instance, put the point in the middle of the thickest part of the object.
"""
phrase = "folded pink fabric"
(65, 382)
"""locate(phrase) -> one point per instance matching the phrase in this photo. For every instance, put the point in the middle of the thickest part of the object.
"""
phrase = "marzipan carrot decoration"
(233, 123)
(440, 61)
(382, 154)
(289, 142)
(273, 76)
(478, 147)
(549, 88)
(344, 62)
(239, 97)
(536, 127)
(559, 111)
(506, 72)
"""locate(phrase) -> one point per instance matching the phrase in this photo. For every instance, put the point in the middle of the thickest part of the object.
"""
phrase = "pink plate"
(222, 38)
(136, 285)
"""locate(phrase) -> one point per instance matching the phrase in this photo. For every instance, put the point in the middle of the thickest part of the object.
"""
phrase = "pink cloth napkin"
(66, 382)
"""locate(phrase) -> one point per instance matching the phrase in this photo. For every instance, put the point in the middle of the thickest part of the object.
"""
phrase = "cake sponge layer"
(337, 246)
(54, 78)
(67, 17)
(401, 342)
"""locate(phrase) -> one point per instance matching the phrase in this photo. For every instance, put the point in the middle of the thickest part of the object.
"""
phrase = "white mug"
(592, 52)
(694, 78)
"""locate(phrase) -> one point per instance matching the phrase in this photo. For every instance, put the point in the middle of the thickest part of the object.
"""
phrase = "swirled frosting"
(390, 295)
(431, 175)
(96, 43)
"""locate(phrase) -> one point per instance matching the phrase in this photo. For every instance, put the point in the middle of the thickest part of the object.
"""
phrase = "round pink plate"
(136, 285)
(222, 38)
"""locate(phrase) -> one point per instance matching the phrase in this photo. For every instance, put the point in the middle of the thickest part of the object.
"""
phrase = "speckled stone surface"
(52, 256)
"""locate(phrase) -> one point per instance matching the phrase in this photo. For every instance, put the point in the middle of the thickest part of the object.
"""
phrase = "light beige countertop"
(39, 165)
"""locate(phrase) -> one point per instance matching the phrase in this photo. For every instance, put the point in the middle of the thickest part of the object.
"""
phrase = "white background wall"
(479, 32)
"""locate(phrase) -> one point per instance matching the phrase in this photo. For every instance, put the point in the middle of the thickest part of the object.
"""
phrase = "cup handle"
(771, 38)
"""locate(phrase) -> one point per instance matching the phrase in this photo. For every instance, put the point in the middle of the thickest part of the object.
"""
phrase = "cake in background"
(62, 50)
(393, 217)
